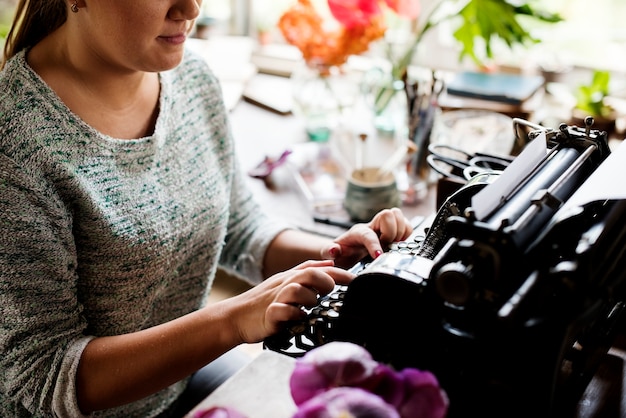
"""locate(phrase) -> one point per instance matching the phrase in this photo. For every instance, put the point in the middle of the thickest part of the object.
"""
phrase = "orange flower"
(303, 27)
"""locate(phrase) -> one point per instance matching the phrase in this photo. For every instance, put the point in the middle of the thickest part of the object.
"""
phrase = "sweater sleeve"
(41, 331)
(250, 231)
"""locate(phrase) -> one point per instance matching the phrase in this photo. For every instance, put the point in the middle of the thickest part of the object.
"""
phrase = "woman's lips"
(176, 39)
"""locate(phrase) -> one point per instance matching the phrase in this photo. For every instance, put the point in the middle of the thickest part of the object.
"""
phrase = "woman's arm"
(119, 369)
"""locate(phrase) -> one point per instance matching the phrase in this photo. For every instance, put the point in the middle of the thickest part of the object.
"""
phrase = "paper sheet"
(488, 199)
(606, 183)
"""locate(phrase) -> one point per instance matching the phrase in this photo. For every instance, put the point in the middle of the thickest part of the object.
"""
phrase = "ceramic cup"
(367, 193)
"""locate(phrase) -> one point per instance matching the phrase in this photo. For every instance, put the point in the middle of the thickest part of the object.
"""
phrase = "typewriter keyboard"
(301, 336)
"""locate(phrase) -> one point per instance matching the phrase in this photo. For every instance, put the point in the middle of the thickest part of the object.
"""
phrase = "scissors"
(460, 165)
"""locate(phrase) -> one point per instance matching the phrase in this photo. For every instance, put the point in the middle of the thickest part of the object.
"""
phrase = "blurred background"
(590, 38)
(592, 34)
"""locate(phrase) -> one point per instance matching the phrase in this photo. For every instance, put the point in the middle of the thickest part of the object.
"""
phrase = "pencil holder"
(367, 193)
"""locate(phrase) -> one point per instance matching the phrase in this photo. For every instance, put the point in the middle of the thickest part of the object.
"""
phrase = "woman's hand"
(263, 310)
(389, 225)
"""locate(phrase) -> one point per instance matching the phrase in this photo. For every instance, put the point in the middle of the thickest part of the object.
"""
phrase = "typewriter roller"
(511, 309)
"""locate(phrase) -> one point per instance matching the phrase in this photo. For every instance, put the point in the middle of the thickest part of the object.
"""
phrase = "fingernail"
(377, 254)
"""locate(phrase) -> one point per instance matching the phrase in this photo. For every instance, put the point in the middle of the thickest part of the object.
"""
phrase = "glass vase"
(321, 96)
(392, 116)
(388, 101)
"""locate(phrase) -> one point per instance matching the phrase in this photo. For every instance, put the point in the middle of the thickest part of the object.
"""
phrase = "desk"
(261, 390)
(259, 133)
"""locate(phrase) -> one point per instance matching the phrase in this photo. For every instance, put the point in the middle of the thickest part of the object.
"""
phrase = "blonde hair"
(33, 21)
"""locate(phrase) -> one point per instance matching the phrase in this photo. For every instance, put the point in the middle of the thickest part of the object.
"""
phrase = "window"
(592, 35)
(7, 8)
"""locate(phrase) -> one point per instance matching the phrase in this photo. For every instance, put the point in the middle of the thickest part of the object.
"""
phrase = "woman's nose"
(185, 9)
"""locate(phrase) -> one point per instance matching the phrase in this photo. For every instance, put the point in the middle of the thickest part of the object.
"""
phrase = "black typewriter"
(511, 306)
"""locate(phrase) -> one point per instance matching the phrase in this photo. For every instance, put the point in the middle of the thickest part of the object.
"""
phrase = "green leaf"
(590, 97)
(4, 30)
(490, 19)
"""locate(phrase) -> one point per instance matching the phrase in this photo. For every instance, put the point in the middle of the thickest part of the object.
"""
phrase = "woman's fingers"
(298, 295)
(391, 225)
(263, 310)
(279, 313)
(321, 275)
(303, 289)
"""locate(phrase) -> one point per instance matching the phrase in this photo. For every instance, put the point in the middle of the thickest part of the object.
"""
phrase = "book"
(498, 87)
(270, 92)
(523, 110)
(276, 59)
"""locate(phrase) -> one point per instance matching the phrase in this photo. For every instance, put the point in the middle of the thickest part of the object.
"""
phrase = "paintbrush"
(396, 158)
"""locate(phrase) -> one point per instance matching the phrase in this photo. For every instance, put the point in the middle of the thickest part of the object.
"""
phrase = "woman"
(120, 196)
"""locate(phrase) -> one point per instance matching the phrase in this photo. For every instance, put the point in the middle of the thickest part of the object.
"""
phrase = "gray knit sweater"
(102, 236)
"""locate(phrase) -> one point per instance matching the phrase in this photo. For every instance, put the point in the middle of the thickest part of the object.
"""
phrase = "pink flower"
(346, 402)
(351, 13)
(405, 8)
(328, 366)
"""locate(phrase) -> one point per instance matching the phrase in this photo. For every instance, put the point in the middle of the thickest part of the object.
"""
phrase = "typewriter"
(511, 304)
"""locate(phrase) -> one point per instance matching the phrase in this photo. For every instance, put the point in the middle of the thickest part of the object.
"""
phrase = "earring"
(74, 7)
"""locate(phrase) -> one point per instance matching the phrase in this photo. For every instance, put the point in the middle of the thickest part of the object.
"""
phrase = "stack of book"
(276, 59)
(515, 95)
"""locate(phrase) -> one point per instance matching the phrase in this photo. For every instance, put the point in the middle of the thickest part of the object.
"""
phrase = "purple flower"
(423, 397)
(414, 393)
(410, 393)
(388, 384)
(218, 412)
(346, 402)
(331, 365)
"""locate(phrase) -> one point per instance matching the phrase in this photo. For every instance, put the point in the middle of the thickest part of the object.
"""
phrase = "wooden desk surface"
(261, 390)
